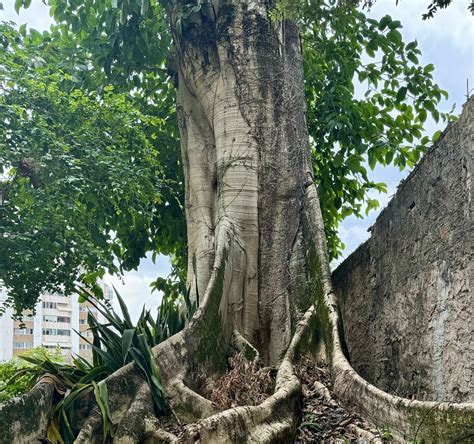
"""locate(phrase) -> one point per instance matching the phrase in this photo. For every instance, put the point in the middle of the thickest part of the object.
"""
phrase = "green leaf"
(372, 159)
(429, 68)
(102, 398)
(412, 57)
(127, 338)
(18, 5)
(125, 313)
(422, 115)
(394, 36)
(384, 22)
(395, 24)
(372, 204)
(436, 136)
(401, 94)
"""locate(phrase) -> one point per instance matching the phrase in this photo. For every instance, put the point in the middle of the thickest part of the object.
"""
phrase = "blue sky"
(447, 41)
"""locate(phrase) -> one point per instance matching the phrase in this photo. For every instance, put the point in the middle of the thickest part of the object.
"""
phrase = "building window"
(86, 308)
(22, 344)
(85, 347)
(82, 321)
(23, 331)
(51, 318)
(49, 305)
(56, 332)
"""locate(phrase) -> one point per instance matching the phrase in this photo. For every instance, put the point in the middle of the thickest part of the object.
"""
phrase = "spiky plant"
(115, 343)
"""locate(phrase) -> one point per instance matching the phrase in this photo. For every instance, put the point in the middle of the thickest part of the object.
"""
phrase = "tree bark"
(245, 146)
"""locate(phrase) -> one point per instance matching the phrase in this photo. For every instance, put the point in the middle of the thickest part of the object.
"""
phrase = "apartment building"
(56, 320)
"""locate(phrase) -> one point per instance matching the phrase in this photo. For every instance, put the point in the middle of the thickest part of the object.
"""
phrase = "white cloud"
(36, 16)
(134, 286)
(453, 24)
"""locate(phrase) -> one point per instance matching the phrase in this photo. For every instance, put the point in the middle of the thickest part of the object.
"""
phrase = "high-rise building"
(56, 320)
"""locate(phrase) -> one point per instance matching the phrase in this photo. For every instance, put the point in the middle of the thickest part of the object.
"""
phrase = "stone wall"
(406, 294)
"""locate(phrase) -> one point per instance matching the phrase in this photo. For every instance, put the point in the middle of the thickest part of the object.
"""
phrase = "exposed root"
(364, 436)
(139, 423)
(159, 436)
(188, 404)
(245, 347)
(406, 419)
(91, 430)
(273, 420)
(34, 408)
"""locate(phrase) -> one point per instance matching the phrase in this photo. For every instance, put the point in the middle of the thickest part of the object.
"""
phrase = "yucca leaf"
(53, 433)
(124, 309)
(94, 374)
(196, 304)
(102, 398)
(77, 390)
(82, 363)
(107, 359)
(153, 328)
(149, 334)
(82, 336)
(127, 339)
(108, 314)
(66, 430)
(111, 339)
(31, 360)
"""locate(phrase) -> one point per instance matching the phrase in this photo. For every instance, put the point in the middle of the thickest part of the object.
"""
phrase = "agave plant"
(115, 343)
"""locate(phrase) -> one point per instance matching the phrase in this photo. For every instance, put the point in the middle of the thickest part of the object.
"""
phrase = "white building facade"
(55, 322)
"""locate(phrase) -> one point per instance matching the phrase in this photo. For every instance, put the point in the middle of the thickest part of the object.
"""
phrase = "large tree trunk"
(241, 112)
(250, 202)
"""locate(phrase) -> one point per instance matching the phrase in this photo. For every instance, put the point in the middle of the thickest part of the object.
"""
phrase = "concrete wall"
(406, 294)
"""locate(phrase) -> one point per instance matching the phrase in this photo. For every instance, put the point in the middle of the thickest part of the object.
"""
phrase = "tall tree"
(251, 77)
(106, 49)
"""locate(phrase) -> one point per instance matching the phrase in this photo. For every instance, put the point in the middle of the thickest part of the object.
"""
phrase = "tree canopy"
(89, 143)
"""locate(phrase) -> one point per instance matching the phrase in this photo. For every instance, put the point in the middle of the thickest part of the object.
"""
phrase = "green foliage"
(85, 180)
(350, 135)
(72, 160)
(12, 384)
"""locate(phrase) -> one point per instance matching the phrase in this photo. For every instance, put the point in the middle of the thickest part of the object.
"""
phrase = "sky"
(446, 41)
